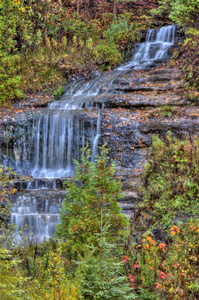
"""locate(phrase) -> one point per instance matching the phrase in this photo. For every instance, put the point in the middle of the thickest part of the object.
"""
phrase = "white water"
(48, 146)
(37, 217)
(155, 48)
(56, 140)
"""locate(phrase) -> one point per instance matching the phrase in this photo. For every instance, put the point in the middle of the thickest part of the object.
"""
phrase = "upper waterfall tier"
(156, 48)
(165, 34)
(157, 45)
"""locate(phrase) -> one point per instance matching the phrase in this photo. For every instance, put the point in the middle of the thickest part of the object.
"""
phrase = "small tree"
(102, 273)
(84, 206)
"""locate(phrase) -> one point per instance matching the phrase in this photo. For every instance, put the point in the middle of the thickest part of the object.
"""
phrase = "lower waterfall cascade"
(47, 146)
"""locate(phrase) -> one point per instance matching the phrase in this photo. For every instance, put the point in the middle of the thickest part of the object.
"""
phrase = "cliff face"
(154, 106)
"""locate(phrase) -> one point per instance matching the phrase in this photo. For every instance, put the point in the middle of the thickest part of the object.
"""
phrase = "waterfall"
(56, 140)
(36, 215)
(47, 146)
(156, 47)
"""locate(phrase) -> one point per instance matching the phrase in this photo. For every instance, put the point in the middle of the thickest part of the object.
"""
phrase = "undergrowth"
(51, 45)
(163, 252)
(171, 182)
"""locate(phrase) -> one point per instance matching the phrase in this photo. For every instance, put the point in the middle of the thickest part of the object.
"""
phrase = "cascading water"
(49, 144)
(56, 139)
(37, 214)
(155, 48)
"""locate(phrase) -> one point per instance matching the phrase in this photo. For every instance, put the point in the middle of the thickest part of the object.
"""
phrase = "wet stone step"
(30, 183)
(130, 89)
(127, 208)
(163, 78)
(126, 205)
(164, 71)
(37, 202)
(35, 184)
(130, 196)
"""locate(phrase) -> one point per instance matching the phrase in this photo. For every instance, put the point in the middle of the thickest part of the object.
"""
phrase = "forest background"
(43, 44)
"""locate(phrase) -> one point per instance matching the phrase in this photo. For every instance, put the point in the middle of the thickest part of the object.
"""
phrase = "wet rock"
(163, 78)
(130, 196)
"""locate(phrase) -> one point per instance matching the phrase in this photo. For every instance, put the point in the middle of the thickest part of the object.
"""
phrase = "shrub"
(167, 269)
(171, 182)
(104, 51)
(44, 267)
(52, 281)
(9, 61)
(58, 93)
(6, 189)
(9, 90)
(163, 257)
(119, 31)
(85, 204)
(10, 279)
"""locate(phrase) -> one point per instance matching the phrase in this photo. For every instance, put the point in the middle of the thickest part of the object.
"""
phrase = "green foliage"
(114, 39)
(6, 189)
(82, 209)
(186, 57)
(58, 92)
(10, 279)
(171, 184)
(164, 111)
(102, 271)
(36, 271)
(9, 89)
(179, 11)
(119, 31)
(75, 26)
(57, 284)
(9, 62)
(191, 60)
(103, 52)
(165, 267)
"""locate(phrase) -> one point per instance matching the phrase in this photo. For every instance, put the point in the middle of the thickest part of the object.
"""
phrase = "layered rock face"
(123, 107)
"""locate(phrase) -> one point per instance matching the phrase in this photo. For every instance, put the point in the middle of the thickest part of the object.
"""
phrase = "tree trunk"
(91, 7)
(115, 8)
(78, 6)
